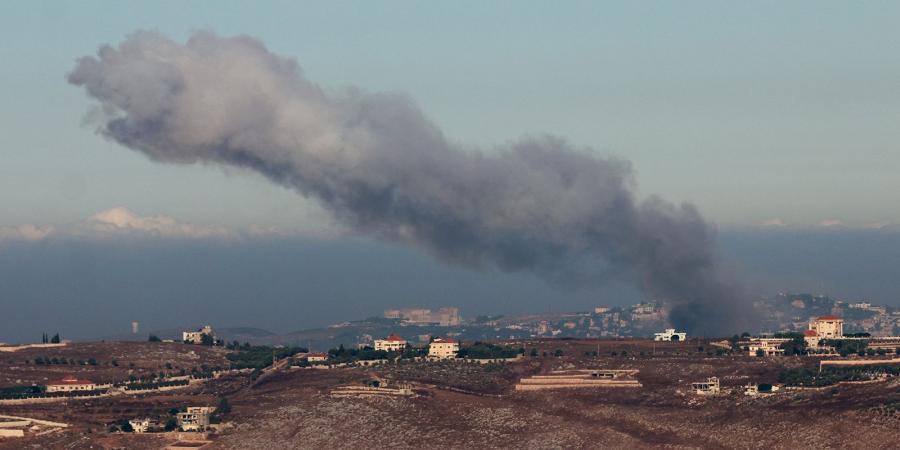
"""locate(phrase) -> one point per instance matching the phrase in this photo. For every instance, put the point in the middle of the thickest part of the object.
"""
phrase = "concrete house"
(195, 418)
(443, 348)
(392, 343)
(670, 335)
(828, 327)
(196, 337)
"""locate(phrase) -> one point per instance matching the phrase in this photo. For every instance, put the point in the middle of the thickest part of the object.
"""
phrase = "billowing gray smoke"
(384, 170)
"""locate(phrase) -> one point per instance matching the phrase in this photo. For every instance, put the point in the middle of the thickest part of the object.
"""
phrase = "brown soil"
(292, 408)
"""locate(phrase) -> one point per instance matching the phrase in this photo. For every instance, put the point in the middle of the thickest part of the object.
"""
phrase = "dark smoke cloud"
(386, 171)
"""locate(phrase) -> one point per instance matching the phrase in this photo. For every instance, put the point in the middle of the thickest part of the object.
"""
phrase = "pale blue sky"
(751, 110)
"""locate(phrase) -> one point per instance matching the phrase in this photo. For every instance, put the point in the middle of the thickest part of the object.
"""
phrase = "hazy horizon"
(88, 288)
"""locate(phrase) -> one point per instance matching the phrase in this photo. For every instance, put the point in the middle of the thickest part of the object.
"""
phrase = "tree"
(558, 353)
(124, 426)
(55, 339)
(171, 424)
(224, 407)
(44, 338)
(154, 338)
(760, 352)
(534, 353)
(207, 340)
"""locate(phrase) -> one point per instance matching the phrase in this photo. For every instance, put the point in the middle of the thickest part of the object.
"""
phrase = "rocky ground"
(105, 362)
(474, 406)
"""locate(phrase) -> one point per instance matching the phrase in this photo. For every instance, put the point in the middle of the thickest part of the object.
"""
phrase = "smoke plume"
(384, 170)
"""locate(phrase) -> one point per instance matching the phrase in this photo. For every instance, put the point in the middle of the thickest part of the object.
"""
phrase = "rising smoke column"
(386, 171)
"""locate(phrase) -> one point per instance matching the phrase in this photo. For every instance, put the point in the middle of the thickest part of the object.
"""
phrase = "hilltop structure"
(445, 317)
(196, 337)
(392, 343)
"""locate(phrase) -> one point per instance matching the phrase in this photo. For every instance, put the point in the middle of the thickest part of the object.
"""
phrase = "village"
(194, 390)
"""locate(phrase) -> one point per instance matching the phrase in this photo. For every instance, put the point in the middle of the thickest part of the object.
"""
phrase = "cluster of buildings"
(198, 336)
(791, 312)
(193, 418)
(819, 329)
(444, 317)
(439, 348)
(604, 321)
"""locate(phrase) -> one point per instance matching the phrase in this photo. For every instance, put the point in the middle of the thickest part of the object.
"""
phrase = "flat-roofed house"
(670, 335)
(195, 418)
(828, 327)
(140, 425)
(443, 348)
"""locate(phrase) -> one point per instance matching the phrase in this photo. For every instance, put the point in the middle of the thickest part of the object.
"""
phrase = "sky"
(753, 112)
(770, 117)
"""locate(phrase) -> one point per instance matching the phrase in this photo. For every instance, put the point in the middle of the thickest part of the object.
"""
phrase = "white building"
(71, 383)
(140, 425)
(196, 337)
(392, 343)
(828, 327)
(670, 335)
(443, 348)
(708, 387)
(195, 418)
(768, 346)
(314, 357)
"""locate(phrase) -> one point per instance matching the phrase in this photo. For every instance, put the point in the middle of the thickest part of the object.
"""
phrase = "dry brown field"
(475, 406)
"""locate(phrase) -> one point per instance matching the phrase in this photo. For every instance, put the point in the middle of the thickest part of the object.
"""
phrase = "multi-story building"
(766, 346)
(443, 348)
(828, 327)
(812, 338)
(195, 418)
(392, 343)
(140, 425)
(196, 337)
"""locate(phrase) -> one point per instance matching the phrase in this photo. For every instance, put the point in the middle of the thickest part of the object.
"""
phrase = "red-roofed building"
(443, 348)
(812, 338)
(392, 343)
(828, 327)
(71, 383)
